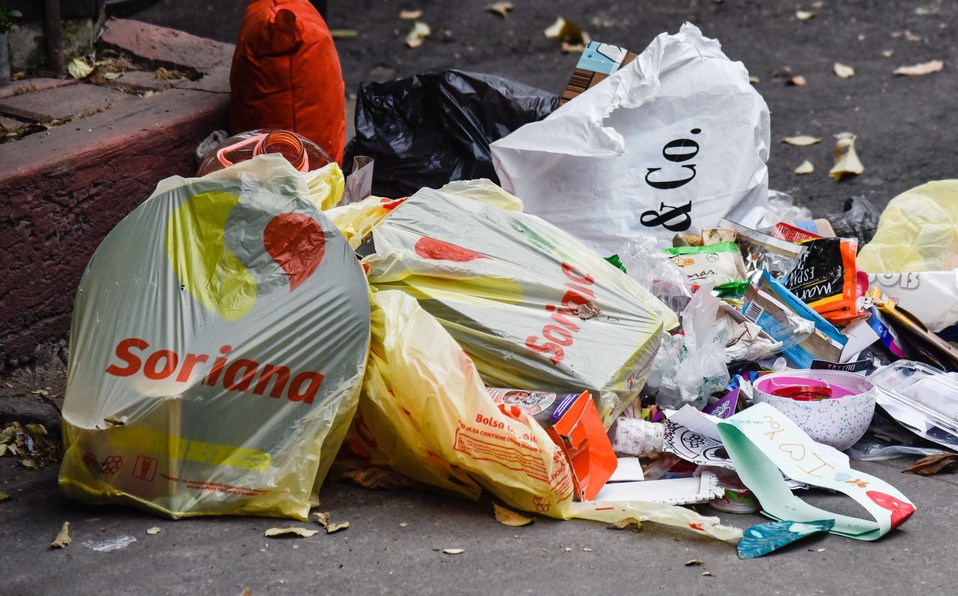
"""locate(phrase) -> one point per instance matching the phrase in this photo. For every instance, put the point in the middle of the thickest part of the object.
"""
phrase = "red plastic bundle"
(286, 74)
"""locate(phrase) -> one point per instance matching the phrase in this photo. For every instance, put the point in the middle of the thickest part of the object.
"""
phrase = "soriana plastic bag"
(425, 413)
(674, 140)
(217, 349)
(532, 306)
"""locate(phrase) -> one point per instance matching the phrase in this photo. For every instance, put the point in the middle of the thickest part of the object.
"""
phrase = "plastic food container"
(833, 407)
(920, 397)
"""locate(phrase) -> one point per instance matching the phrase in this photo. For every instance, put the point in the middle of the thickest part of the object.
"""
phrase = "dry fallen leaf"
(804, 15)
(806, 168)
(934, 464)
(153, 531)
(887, 53)
(629, 523)
(846, 160)
(452, 551)
(796, 81)
(909, 36)
(330, 528)
(920, 69)
(4, 496)
(419, 32)
(63, 537)
(508, 517)
(410, 15)
(292, 531)
(500, 8)
(843, 70)
(694, 563)
(572, 37)
(79, 69)
(554, 30)
(322, 518)
(801, 140)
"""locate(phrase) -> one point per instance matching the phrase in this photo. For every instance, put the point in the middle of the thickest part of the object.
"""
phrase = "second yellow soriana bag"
(531, 305)
(425, 413)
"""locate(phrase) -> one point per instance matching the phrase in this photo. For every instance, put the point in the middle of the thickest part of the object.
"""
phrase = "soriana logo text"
(135, 355)
(224, 253)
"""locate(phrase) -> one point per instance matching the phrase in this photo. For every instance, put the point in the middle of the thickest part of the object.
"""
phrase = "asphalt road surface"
(905, 125)
(906, 133)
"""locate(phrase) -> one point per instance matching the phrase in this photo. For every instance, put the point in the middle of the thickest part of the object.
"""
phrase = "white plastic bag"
(676, 139)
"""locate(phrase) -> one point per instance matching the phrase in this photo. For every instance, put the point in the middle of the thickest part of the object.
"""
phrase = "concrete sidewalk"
(98, 150)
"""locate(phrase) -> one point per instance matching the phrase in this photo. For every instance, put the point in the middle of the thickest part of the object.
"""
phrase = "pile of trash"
(617, 320)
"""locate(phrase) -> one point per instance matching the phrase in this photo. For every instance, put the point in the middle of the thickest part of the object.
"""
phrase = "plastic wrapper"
(804, 334)
(826, 279)
(762, 252)
(426, 414)
(428, 129)
(645, 262)
(676, 139)
(781, 207)
(691, 366)
(533, 307)
(217, 349)
(716, 265)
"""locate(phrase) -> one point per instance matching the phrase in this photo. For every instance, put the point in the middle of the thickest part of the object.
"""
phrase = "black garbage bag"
(429, 129)
(859, 219)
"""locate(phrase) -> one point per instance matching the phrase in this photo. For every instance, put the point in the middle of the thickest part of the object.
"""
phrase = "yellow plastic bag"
(913, 256)
(217, 348)
(532, 306)
(426, 414)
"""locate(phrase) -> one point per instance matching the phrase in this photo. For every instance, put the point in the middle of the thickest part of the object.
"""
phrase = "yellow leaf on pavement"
(292, 531)
(79, 69)
(508, 517)
(846, 160)
(801, 140)
(920, 69)
(843, 70)
(419, 32)
(500, 8)
(63, 537)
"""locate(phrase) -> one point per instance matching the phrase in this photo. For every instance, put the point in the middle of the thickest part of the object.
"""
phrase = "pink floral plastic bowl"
(839, 421)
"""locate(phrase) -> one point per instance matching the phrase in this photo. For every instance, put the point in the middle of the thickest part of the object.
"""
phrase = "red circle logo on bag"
(224, 259)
